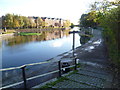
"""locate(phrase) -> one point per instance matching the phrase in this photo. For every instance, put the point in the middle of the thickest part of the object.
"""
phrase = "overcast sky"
(66, 9)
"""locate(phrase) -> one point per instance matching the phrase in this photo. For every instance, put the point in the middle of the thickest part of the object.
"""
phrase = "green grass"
(60, 79)
(24, 33)
(78, 65)
(74, 72)
(49, 85)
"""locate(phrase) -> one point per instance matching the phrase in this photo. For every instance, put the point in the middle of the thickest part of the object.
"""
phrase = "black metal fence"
(24, 77)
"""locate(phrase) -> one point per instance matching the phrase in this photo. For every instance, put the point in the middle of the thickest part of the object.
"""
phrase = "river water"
(20, 50)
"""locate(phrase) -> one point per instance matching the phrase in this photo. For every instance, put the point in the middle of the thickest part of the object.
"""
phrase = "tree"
(100, 6)
(8, 21)
(67, 23)
(16, 21)
(26, 22)
(107, 15)
(87, 20)
(44, 24)
(32, 23)
(21, 22)
(39, 22)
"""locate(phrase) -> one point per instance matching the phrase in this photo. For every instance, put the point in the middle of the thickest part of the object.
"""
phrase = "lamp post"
(73, 46)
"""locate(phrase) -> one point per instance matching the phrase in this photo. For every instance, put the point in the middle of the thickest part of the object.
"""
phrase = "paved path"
(88, 77)
(95, 70)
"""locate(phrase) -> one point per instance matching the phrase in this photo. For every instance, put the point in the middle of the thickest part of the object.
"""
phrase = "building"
(49, 22)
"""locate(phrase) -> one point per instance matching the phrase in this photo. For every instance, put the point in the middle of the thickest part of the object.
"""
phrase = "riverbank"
(6, 35)
(39, 30)
(25, 34)
(95, 70)
(34, 31)
(90, 55)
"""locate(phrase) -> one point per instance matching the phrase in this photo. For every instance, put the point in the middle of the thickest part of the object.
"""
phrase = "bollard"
(24, 77)
(59, 65)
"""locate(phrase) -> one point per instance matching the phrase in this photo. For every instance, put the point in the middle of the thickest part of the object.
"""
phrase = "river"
(20, 50)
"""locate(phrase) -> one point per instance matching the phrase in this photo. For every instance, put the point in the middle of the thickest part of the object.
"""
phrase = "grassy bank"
(8, 31)
(25, 33)
(60, 79)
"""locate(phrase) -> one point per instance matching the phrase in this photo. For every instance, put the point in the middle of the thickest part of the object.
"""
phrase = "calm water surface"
(19, 50)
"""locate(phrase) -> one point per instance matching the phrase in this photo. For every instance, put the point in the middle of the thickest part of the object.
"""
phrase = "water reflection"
(46, 35)
(57, 44)
(19, 50)
(0, 43)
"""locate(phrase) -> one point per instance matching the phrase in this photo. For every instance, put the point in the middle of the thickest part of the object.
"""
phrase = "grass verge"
(24, 33)
(49, 85)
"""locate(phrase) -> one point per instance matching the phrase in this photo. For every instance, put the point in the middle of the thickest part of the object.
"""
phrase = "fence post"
(75, 64)
(24, 76)
(59, 65)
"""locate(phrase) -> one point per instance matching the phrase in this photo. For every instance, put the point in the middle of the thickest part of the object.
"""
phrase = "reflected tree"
(46, 35)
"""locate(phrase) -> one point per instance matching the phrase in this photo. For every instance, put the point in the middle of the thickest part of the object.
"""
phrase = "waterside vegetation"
(25, 33)
(105, 14)
(12, 21)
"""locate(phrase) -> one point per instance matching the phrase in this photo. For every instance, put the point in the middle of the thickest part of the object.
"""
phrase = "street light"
(73, 46)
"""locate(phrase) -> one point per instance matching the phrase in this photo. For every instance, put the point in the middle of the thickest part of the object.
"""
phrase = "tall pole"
(73, 47)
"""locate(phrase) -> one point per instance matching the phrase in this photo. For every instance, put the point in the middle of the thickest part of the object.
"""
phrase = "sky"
(65, 9)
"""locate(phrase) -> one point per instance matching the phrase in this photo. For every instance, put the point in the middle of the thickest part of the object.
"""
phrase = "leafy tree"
(106, 15)
(8, 21)
(16, 21)
(26, 22)
(87, 21)
(67, 23)
(39, 22)
(44, 24)
(21, 22)
(32, 23)
(16, 24)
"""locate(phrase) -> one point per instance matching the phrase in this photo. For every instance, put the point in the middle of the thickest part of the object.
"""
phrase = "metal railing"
(37, 76)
